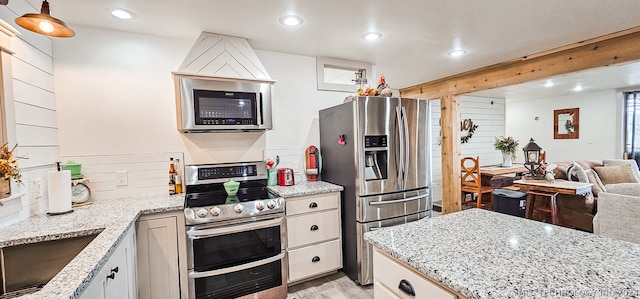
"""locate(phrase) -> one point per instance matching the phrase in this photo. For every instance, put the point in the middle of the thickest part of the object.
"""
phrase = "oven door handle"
(236, 268)
(197, 234)
(376, 203)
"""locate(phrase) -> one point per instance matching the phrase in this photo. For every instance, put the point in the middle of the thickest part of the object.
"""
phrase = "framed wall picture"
(566, 123)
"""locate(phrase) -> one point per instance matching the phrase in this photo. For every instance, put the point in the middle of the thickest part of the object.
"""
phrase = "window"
(338, 75)
(632, 124)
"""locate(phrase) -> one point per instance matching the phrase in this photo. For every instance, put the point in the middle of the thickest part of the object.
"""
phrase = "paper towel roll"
(59, 183)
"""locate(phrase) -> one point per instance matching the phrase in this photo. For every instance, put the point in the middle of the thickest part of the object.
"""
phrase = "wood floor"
(334, 286)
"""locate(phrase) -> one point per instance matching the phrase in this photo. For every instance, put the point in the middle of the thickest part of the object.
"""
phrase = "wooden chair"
(472, 183)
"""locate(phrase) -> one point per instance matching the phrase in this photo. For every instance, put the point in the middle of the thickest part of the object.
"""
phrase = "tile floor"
(334, 286)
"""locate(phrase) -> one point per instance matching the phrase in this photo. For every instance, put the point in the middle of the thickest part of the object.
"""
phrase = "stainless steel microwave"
(205, 104)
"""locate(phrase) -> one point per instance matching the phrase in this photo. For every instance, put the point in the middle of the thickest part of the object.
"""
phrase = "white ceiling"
(417, 34)
(612, 77)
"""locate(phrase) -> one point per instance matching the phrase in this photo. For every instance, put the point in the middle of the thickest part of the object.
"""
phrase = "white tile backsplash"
(148, 174)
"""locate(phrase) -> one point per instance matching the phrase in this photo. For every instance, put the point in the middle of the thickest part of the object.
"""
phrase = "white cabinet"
(97, 289)
(381, 292)
(314, 237)
(395, 280)
(161, 256)
(117, 277)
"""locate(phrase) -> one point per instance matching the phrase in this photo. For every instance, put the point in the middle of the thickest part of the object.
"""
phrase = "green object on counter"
(271, 177)
(231, 187)
(75, 168)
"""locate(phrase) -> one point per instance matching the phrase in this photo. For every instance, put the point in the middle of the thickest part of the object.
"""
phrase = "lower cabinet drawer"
(313, 260)
(402, 281)
(311, 228)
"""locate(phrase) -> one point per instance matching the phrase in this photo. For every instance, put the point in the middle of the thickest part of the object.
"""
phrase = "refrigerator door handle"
(400, 149)
(406, 148)
(376, 203)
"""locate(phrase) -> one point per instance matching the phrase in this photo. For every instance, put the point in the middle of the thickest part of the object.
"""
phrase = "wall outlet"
(37, 188)
(122, 178)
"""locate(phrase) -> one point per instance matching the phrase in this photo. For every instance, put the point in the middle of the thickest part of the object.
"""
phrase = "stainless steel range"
(235, 244)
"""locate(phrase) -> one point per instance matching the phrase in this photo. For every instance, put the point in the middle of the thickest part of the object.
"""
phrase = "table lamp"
(532, 161)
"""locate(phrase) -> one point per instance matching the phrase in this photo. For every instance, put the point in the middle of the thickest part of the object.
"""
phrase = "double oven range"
(235, 244)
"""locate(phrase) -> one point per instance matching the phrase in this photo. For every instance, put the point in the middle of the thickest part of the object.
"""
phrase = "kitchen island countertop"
(305, 188)
(109, 217)
(483, 254)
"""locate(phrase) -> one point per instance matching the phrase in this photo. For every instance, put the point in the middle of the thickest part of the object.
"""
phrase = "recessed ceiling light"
(457, 53)
(122, 14)
(291, 20)
(578, 87)
(370, 36)
(549, 83)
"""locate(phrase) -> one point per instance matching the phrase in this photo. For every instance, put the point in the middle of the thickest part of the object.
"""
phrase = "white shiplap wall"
(31, 114)
(489, 115)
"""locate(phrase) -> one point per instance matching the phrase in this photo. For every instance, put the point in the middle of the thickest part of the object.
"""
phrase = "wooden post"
(451, 169)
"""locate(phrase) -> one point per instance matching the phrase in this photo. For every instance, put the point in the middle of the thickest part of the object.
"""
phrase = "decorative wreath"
(470, 127)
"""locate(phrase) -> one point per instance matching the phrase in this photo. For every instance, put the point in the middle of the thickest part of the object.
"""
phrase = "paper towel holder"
(63, 212)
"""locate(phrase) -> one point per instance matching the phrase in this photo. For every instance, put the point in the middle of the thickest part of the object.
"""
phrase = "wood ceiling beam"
(615, 48)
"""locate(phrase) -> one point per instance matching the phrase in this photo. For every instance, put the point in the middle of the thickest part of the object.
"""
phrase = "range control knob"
(259, 206)
(237, 208)
(271, 204)
(215, 211)
(202, 213)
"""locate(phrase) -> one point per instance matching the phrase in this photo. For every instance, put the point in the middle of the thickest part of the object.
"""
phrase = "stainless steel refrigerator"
(379, 149)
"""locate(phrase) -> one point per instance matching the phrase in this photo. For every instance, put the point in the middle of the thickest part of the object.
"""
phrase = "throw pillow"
(632, 163)
(575, 172)
(594, 179)
(616, 174)
(570, 175)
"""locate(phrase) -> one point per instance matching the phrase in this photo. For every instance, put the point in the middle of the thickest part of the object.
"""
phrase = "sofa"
(618, 214)
(609, 178)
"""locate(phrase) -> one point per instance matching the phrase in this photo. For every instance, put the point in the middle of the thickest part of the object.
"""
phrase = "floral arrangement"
(9, 164)
(506, 145)
(382, 89)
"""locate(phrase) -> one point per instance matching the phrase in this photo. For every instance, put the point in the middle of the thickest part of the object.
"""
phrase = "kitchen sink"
(27, 268)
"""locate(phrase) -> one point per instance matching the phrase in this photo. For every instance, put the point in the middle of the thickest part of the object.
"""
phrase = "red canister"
(285, 177)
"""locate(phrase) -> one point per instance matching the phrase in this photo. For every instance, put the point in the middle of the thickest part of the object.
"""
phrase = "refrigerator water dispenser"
(375, 157)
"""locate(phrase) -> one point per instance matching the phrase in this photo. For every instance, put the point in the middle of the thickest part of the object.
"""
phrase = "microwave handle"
(260, 110)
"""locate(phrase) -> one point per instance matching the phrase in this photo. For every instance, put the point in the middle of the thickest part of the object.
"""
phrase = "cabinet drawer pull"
(314, 227)
(111, 276)
(406, 287)
(313, 205)
(114, 270)
(315, 259)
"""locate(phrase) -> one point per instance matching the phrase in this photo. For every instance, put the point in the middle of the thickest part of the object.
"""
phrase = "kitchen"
(106, 84)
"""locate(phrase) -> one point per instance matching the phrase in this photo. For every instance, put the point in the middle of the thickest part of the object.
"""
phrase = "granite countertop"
(110, 218)
(305, 188)
(483, 254)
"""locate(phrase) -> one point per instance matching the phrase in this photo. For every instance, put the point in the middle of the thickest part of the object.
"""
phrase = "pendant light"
(44, 23)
